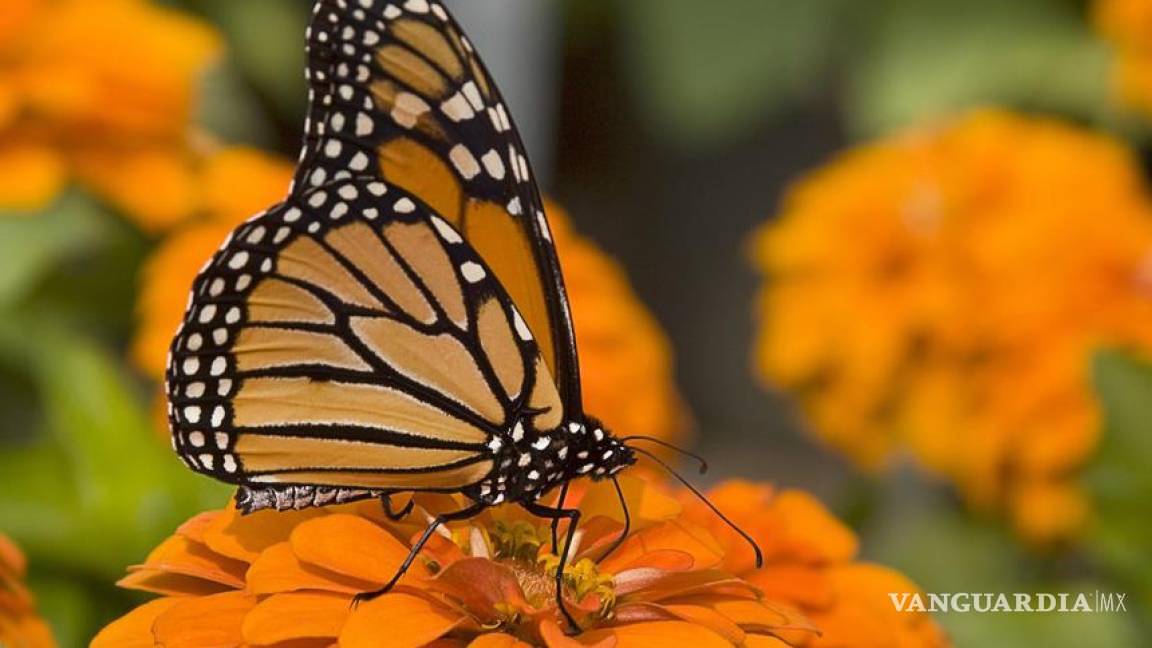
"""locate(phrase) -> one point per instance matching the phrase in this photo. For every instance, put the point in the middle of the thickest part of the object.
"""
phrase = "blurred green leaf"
(32, 245)
(920, 531)
(95, 291)
(710, 72)
(1120, 477)
(68, 605)
(229, 109)
(924, 535)
(101, 470)
(266, 38)
(923, 59)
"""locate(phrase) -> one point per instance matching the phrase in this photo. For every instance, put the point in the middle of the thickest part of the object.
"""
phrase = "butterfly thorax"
(529, 463)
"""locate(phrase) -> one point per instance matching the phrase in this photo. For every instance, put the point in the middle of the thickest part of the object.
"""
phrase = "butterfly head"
(606, 454)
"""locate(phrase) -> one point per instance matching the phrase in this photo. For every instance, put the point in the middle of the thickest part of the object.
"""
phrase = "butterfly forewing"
(398, 93)
(352, 338)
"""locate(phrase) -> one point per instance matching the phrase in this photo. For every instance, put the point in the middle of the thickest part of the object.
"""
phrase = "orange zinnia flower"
(20, 627)
(232, 185)
(625, 358)
(1127, 25)
(272, 578)
(811, 564)
(940, 292)
(104, 92)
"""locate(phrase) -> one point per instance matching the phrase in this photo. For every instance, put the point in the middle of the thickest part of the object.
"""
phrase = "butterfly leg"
(396, 516)
(556, 521)
(627, 522)
(573, 517)
(444, 518)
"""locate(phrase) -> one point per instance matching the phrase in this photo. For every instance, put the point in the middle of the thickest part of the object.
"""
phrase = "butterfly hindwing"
(352, 338)
(398, 93)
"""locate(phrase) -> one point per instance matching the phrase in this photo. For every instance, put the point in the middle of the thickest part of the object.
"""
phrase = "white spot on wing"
(457, 108)
(543, 222)
(464, 161)
(447, 232)
(494, 164)
(472, 94)
(364, 125)
(521, 326)
(473, 272)
(408, 108)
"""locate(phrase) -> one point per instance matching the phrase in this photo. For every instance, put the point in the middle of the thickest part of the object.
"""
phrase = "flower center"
(517, 545)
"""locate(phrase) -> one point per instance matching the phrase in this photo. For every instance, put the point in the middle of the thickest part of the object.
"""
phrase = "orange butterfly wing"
(352, 338)
(398, 93)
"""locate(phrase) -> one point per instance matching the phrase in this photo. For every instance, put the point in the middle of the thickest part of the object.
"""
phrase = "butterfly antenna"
(660, 442)
(709, 504)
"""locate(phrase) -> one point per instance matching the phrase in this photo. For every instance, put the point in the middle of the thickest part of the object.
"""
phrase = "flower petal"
(695, 583)
(554, 637)
(634, 580)
(197, 526)
(30, 177)
(243, 537)
(762, 641)
(351, 546)
(13, 564)
(285, 617)
(278, 570)
(662, 633)
(762, 616)
(861, 609)
(168, 584)
(497, 641)
(407, 621)
(645, 504)
(674, 535)
(265, 181)
(663, 560)
(641, 612)
(155, 186)
(134, 630)
(596, 535)
(203, 622)
(808, 586)
(709, 618)
(181, 556)
(825, 537)
(480, 585)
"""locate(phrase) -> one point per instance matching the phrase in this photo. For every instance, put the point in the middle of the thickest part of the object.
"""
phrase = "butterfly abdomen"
(294, 498)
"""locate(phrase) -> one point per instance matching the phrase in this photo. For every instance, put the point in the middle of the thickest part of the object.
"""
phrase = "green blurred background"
(669, 129)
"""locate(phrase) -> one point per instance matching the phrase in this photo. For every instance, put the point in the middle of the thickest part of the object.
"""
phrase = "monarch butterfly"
(399, 323)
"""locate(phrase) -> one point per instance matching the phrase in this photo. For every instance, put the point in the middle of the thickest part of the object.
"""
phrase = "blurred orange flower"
(102, 92)
(1127, 25)
(232, 185)
(20, 627)
(811, 564)
(274, 578)
(625, 358)
(943, 291)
